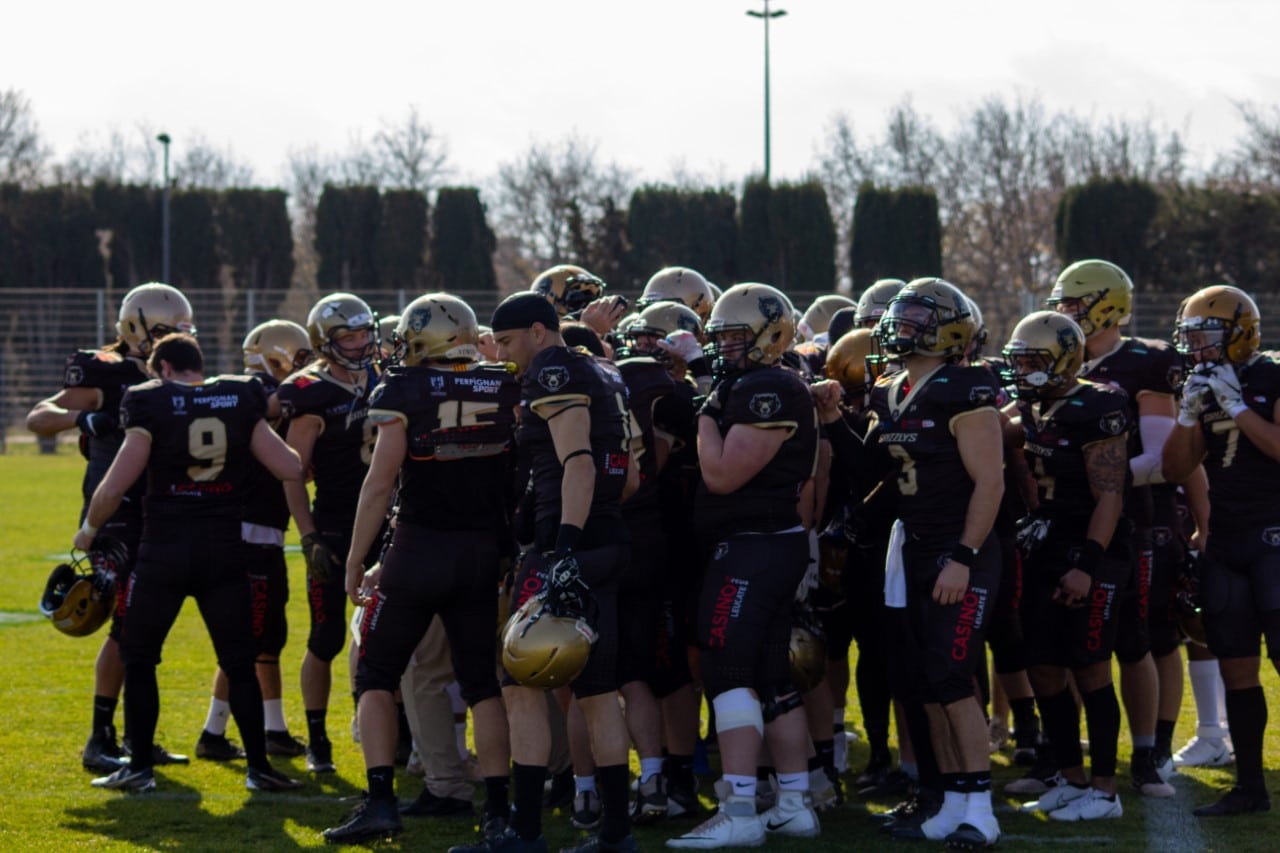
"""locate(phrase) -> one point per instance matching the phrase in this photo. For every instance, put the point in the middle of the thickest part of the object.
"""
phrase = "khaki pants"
(426, 704)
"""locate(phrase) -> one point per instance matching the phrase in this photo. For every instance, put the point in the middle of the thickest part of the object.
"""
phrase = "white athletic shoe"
(791, 816)
(1094, 805)
(822, 793)
(1060, 793)
(735, 824)
(1204, 752)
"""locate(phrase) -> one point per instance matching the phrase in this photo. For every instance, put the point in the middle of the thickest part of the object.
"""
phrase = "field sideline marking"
(1170, 824)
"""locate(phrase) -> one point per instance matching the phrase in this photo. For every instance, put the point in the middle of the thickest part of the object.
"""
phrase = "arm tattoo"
(1106, 464)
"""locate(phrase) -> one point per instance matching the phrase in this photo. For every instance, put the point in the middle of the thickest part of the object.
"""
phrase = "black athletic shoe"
(127, 779)
(213, 747)
(911, 812)
(682, 799)
(269, 779)
(559, 791)
(877, 768)
(969, 837)
(284, 744)
(505, 842)
(1236, 801)
(892, 784)
(160, 755)
(102, 754)
(371, 819)
(320, 756)
(593, 844)
(429, 805)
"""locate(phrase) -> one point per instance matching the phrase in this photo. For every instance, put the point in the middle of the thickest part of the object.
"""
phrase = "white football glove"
(682, 343)
(1226, 388)
(1195, 396)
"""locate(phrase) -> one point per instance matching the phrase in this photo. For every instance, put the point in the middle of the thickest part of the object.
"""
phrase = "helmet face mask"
(928, 317)
(751, 325)
(79, 598)
(1217, 324)
(1044, 355)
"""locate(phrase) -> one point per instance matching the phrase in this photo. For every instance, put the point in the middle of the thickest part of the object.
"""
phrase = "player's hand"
(681, 343)
(952, 583)
(604, 313)
(1032, 530)
(355, 583)
(1073, 588)
(82, 541)
(1225, 385)
(322, 563)
(826, 396)
(1195, 396)
(96, 424)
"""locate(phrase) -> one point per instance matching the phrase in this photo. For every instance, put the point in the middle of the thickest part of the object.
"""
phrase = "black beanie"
(522, 310)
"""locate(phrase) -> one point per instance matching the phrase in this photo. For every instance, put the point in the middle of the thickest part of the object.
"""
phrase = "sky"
(660, 86)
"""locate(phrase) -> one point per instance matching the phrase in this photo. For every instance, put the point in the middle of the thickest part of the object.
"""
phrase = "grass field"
(46, 679)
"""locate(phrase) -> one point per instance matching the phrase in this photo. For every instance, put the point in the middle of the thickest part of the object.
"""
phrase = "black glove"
(566, 592)
(1032, 530)
(96, 424)
(322, 563)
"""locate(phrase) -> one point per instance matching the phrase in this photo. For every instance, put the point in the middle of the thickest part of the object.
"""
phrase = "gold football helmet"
(817, 317)
(679, 284)
(662, 319)
(77, 598)
(875, 300)
(543, 650)
(151, 311)
(277, 347)
(764, 313)
(1097, 294)
(1044, 354)
(847, 361)
(1218, 323)
(568, 287)
(808, 653)
(437, 326)
(928, 317)
(337, 313)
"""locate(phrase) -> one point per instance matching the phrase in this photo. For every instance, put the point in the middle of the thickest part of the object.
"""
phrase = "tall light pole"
(766, 15)
(164, 140)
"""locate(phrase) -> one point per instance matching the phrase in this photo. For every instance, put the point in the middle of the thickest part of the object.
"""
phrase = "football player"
(1098, 295)
(1228, 419)
(757, 450)
(943, 433)
(875, 300)
(94, 382)
(574, 434)
(1076, 554)
(272, 351)
(195, 439)
(445, 431)
(326, 404)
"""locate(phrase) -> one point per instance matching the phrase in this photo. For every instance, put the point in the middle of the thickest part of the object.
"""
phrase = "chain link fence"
(44, 325)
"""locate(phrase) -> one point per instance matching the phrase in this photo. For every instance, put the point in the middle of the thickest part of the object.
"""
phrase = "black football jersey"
(200, 435)
(344, 447)
(916, 429)
(648, 384)
(460, 425)
(110, 373)
(1244, 482)
(766, 398)
(563, 375)
(1056, 435)
(265, 504)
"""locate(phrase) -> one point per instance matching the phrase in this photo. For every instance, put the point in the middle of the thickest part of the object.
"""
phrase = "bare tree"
(410, 155)
(1256, 159)
(205, 166)
(22, 154)
(118, 158)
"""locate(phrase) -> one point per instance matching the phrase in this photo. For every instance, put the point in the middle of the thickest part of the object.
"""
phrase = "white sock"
(649, 767)
(948, 817)
(793, 781)
(460, 735)
(582, 784)
(741, 786)
(216, 722)
(273, 715)
(1206, 684)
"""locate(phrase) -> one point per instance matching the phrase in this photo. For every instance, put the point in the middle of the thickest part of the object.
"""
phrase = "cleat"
(102, 754)
(969, 837)
(269, 779)
(651, 800)
(1163, 763)
(877, 768)
(997, 736)
(1236, 801)
(1094, 805)
(1146, 779)
(1059, 793)
(593, 844)
(1204, 752)
(127, 779)
(894, 783)
(733, 825)
(682, 800)
(211, 747)
(284, 744)
(371, 819)
(586, 810)
(1038, 778)
(159, 755)
(913, 810)
(558, 791)
(429, 805)
(792, 816)
(505, 841)
(823, 793)
(320, 756)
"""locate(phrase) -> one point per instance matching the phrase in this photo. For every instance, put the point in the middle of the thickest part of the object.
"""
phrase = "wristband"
(1089, 556)
(964, 555)
(1235, 410)
(700, 367)
(567, 537)
(88, 529)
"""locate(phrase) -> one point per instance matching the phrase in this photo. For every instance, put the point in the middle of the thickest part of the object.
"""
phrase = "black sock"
(615, 802)
(679, 769)
(403, 720)
(763, 773)
(382, 782)
(526, 800)
(496, 790)
(978, 781)
(826, 754)
(1026, 727)
(315, 724)
(957, 782)
(104, 713)
(1102, 717)
(1247, 717)
(355, 700)
(873, 695)
(921, 742)
(141, 711)
(1164, 736)
(1061, 720)
(244, 695)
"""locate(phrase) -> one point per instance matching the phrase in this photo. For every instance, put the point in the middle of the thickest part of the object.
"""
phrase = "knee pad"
(738, 709)
(776, 707)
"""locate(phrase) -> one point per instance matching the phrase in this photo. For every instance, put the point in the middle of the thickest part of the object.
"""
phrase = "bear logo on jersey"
(722, 548)
(553, 378)
(75, 375)
(1112, 423)
(983, 395)
(765, 405)
(1271, 536)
